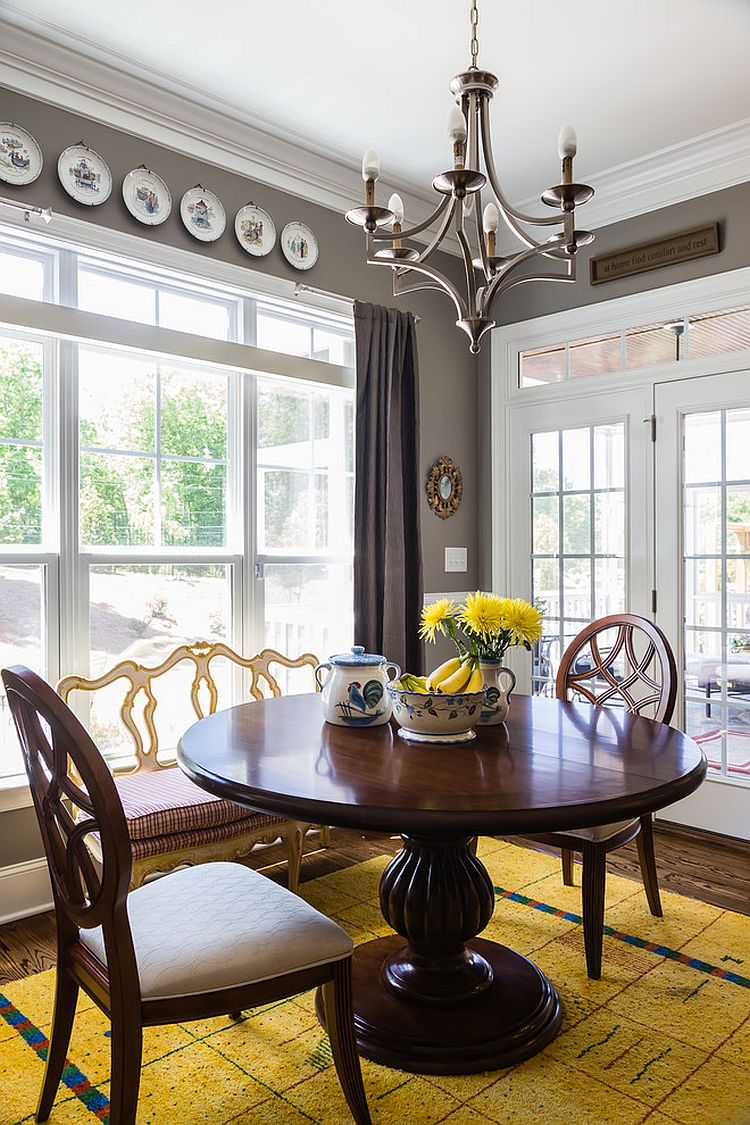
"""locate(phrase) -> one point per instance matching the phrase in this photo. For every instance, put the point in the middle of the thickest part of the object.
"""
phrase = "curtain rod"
(300, 288)
(43, 213)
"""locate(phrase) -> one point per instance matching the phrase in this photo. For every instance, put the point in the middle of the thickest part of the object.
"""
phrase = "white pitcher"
(354, 692)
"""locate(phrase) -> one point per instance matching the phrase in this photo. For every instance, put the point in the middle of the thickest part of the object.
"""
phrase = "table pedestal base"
(514, 1018)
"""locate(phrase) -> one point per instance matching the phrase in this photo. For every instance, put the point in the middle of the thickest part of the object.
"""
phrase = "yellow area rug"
(664, 1037)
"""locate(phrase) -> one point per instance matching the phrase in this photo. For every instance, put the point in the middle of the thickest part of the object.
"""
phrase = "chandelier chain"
(474, 19)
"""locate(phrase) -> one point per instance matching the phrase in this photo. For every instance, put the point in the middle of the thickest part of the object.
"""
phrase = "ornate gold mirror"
(444, 487)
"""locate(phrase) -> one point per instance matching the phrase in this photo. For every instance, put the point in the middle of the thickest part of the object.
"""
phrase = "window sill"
(14, 793)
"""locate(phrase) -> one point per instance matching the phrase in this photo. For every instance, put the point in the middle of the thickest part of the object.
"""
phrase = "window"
(148, 501)
(707, 334)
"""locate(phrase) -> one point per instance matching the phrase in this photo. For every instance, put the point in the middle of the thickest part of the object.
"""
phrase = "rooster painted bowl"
(434, 717)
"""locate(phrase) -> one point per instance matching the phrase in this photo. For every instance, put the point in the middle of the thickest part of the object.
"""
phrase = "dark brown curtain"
(387, 543)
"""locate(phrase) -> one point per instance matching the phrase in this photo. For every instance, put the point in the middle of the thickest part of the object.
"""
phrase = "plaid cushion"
(166, 801)
(180, 841)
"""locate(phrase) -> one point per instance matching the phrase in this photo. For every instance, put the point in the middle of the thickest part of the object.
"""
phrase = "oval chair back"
(623, 658)
(52, 741)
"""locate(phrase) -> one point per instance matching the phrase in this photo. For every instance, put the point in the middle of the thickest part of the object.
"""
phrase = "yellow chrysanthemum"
(482, 613)
(434, 617)
(522, 620)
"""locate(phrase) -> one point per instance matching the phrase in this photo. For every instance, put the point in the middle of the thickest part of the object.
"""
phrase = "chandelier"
(487, 274)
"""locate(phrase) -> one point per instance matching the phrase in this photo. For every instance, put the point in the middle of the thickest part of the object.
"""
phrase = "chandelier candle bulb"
(395, 204)
(370, 173)
(567, 146)
(490, 222)
(457, 131)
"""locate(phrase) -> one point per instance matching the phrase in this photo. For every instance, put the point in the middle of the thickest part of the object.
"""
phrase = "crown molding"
(699, 166)
(40, 59)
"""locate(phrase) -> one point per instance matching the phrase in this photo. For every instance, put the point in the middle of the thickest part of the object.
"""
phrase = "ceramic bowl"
(432, 717)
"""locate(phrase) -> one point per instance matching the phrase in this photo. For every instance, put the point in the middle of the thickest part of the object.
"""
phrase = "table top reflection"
(551, 766)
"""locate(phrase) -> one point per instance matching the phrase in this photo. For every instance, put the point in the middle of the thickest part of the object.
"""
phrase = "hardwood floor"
(713, 869)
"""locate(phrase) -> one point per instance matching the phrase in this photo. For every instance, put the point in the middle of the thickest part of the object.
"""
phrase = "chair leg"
(293, 841)
(567, 867)
(647, 860)
(594, 876)
(66, 997)
(126, 1051)
(337, 997)
(324, 835)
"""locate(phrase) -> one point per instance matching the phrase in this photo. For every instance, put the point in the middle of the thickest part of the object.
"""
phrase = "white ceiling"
(633, 77)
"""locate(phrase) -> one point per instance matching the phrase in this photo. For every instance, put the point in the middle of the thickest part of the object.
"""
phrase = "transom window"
(713, 333)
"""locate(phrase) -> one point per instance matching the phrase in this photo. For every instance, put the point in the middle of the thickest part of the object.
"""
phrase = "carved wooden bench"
(170, 820)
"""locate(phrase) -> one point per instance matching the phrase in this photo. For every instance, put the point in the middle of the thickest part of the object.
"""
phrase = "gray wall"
(447, 371)
(730, 208)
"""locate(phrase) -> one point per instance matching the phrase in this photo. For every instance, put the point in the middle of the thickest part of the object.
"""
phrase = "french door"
(703, 581)
(579, 516)
(601, 518)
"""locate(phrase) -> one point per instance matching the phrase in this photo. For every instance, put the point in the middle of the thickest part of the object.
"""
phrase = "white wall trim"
(704, 164)
(45, 61)
(24, 890)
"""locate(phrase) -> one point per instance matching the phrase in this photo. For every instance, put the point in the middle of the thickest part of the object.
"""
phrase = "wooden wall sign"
(653, 255)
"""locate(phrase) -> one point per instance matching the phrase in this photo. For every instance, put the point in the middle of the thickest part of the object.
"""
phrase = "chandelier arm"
(567, 277)
(481, 239)
(443, 284)
(497, 283)
(471, 281)
(387, 236)
(509, 212)
(441, 231)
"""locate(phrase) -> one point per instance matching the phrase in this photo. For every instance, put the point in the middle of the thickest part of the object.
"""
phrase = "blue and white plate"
(203, 214)
(299, 246)
(20, 155)
(146, 197)
(85, 175)
(255, 230)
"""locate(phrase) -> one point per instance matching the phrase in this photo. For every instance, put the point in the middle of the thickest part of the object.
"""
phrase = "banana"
(413, 683)
(456, 684)
(476, 682)
(448, 669)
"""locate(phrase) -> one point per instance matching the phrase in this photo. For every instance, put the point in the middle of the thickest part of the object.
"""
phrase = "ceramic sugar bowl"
(354, 692)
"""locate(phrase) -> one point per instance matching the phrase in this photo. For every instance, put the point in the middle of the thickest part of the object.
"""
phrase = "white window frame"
(57, 323)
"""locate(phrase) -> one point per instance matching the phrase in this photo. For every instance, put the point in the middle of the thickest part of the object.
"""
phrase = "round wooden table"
(434, 998)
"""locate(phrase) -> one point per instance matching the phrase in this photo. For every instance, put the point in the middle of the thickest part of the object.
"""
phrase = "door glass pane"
(717, 589)
(581, 531)
(22, 641)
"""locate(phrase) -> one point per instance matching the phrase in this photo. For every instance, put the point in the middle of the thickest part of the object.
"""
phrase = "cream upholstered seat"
(217, 926)
(213, 939)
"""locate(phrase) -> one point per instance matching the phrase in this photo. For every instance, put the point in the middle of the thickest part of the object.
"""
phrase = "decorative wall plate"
(203, 214)
(85, 175)
(445, 487)
(299, 246)
(20, 155)
(146, 196)
(255, 230)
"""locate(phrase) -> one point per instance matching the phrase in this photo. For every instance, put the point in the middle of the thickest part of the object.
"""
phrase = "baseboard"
(24, 890)
(701, 835)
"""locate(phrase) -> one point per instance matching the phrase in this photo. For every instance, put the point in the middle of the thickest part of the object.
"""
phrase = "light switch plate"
(455, 559)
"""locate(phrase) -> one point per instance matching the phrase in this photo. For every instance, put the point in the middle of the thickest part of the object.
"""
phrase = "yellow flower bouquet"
(483, 627)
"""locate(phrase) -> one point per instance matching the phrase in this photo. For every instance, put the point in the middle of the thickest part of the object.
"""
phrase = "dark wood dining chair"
(201, 942)
(626, 661)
